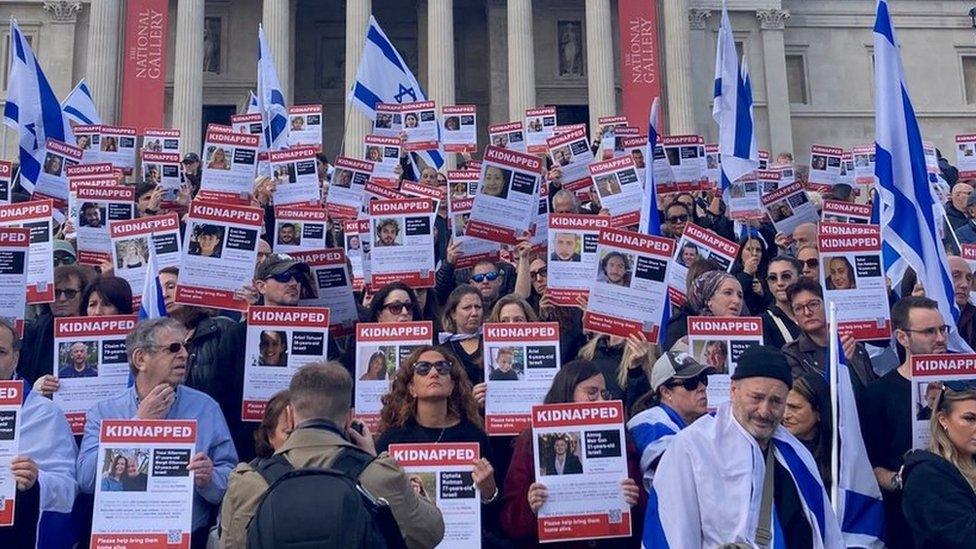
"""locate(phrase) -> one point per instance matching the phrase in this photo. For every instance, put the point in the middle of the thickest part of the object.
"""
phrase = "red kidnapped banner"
(640, 66)
(144, 71)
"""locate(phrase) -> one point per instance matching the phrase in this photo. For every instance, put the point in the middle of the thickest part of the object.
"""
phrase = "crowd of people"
(757, 468)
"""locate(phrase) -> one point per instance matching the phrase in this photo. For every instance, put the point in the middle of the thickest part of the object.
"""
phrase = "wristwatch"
(895, 483)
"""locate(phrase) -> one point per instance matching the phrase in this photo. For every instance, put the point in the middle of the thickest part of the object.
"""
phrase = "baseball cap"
(190, 158)
(64, 247)
(277, 264)
(676, 365)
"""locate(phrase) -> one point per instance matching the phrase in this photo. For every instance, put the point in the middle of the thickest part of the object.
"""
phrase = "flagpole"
(345, 129)
(952, 232)
(833, 342)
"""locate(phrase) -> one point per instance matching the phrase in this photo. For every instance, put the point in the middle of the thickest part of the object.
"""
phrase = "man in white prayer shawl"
(712, 486)
(44, 467)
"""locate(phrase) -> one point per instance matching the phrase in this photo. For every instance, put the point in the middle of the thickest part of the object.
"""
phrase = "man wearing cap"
(741, 477)
(191, 171)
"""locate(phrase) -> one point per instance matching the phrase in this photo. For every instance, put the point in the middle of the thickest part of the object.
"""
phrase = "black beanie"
(763, 361)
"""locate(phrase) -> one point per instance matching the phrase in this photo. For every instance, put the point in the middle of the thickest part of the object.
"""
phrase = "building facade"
(810, 60)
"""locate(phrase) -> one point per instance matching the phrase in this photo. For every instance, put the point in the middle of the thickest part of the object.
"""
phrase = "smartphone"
(357, 426)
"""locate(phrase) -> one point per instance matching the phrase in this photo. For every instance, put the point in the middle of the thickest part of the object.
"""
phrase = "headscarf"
(703, 288)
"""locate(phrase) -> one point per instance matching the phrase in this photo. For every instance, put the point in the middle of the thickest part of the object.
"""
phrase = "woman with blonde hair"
(939, 500)
(512, 308)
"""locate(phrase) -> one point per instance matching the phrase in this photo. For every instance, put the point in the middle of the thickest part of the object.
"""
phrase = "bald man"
(956, 208)
(805, 234)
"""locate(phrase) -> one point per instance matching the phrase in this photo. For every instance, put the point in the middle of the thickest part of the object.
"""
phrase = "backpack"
(314, 507)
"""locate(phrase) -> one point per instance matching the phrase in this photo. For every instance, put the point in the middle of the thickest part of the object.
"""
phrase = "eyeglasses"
(397, 307)
(811, 263)
(489, 276)
(773, 278)
(64, 259)
(691, 383)
(929, 332)
(285, 277)
(594, 394)
(541, 273)
(172, 348)
(67, 293)
(423, 368)
(811, 306)
(678, 218)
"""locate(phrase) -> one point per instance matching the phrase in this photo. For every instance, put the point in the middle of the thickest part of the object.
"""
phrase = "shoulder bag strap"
(764, 529)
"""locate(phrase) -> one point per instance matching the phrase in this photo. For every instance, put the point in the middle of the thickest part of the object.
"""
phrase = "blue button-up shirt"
(213, 439)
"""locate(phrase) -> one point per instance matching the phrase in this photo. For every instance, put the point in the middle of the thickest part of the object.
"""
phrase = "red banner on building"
(144, 69)
(640, 65)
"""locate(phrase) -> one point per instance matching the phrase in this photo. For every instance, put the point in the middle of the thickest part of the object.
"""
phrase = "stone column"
(677, 65)
(60, 45)
(357, 125)
(703, 70)
(102, 72)
(498, 62)
(188, 73)
(599, 60)
(440, 58)
(521, 59)
(772, 23)
(276, 17)
(423, 45)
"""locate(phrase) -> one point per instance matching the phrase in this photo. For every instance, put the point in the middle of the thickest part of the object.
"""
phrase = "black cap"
(190, 158)
(763, 361)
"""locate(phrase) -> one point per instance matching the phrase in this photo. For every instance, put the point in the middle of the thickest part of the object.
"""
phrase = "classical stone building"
(810, 60)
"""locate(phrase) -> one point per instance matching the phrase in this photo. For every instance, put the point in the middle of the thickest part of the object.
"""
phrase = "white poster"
(718, 342)
(459, 128)
(380, 349)
(228, 164)
(852, 276)
(296, 174)
(507, 197)
(306, 123)
(520, 362)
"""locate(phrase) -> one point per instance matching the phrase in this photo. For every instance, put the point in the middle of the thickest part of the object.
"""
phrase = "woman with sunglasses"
(677, 398)
(431, 401)
(779, 324)
(395, 302)
(522, 495)
(939, 499)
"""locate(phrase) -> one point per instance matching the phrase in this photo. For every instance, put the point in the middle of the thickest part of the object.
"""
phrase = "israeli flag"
(732, 108)
(271, 102)
(153, 303)
(252, 103)
(79, 106)
(650, 218)
(384, 77)
(909, 221)
(856, 496)
(32, 109)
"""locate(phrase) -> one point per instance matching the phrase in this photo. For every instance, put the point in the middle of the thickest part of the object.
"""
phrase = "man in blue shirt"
(157, 358)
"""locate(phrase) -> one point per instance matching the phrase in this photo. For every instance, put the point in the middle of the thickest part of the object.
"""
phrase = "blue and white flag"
(856, 496)
(271, 101)
(153, 303)
(650, 217)
(732, 108)
(384, 77)
(652, 431)
(32, 108)
(80, 107)
(252, 103)
(909, 221)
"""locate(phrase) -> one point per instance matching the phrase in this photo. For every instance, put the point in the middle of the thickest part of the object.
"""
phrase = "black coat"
(939, 505)
(37, 349)
(204, 348)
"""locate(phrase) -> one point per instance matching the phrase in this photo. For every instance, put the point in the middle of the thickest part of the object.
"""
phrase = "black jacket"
(804, 355)
(204, 348)
(939, 505)
(37, 349)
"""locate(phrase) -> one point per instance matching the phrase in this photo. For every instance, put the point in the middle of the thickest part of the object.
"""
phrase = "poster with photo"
(14, 250)
(685, 156)
(852, 277)
(744, 198)
(579, 452)
(92, 209)
(507, 196)
(930, 374)
(6, 178)
(228, 166)
(380, 349)
(249, 123)
(619, 189)
(355, 245)
(306, 124)
(133, 241)
(52, 180)
(789, 207)
(161, 140)
(520, 362)
(571, 153)
(219, 252)
(769, 181)
(463, 183)
(143, 489)
(401, 240)
(628, 291)
(472, 249)
(438, 195)
(345, 198)
(636, 147)
(540, 125)
(299, 228)
(163, 169)
(384, 153)
(331, 286)
(296, 175)
(787, 173)
(836, 211)
(572, 248)
(825, 165)
(36, 215)
(443, 472)
(697, 243)
(509, 135)
(12, 396)
(717, 342)
(118, 147)
(459, 128)
(280, 340)
(90, 362)
(389, 120)
(419, 126)
(88, 138)
(864, 179)
(713, 165)
(966, 155)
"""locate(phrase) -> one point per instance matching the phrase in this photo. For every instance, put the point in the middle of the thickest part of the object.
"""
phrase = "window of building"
(969, 78)
(5, 56)
(796, 79)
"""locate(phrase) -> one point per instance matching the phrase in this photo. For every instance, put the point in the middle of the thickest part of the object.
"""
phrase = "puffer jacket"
(203, 348)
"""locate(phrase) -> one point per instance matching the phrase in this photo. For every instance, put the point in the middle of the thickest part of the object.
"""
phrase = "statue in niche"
(211, 45)
(570, 48)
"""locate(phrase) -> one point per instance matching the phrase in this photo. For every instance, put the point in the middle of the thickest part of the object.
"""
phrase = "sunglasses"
(68, 294)
(397, 307)
(773, 278)
(956, 386)
(285, 277)
(172, 348)
(691, 383)
(812, 263)
(541, 273)
(489, 276)
(423, 368)
(64, 259)
(678, 218)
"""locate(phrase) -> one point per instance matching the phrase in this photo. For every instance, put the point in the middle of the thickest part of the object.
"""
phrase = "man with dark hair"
(387, 231)
(320, 412)
(286, 234)
(91, 215)
(886, 409)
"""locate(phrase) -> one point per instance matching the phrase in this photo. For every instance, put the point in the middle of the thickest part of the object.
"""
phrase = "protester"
(739, 453)
(461, 320)
(624, 362)
(779, 322)
(321, 413)
(107, 295)
(274, 428)
(962, 285)
(808, 419)
(955, 209)
(810, 258)
(713, 293)
(750, 269)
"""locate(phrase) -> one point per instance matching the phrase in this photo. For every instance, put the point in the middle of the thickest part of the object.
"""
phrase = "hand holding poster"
(572, 256)
(133, 241)
(580, 455)
(154, 506)
(864, 178)
(520, 362)
(35, 215)
(219, 252)
(87, 137)
(788, 207)
(540, 125)
(619, 189)
(11, 399)
(459, 129)
(229, 163)
(331, 287)
(420, 126)
(296, 174)
(852, 277)
(14, 246)
(442, 472)
(90, 362)
(507, 136)
(744, 198)
(717, 342)
(380, 349)
(471, 249)
(697, 243)
(824, 168)
(401, 242)
(627, 295)
(507, 196)
(570, 152)
(384, 153)
(306, 126)
(280, 340)
(163, 169)
(299, 228)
